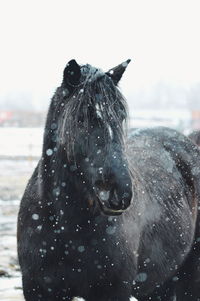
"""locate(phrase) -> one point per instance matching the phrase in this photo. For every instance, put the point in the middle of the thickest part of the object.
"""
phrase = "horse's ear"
(117, 72)
(72, 74)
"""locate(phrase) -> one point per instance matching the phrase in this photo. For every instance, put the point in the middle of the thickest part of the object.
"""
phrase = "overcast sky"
(39, 37)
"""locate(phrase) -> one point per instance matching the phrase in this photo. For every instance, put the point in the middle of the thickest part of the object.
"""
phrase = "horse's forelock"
(97, 93)
(90, 73)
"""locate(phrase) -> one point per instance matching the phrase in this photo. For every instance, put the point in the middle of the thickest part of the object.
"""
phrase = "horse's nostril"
(120, 201)
(112, 196)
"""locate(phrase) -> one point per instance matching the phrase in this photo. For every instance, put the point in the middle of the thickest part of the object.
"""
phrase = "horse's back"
(166, 165)
(164, 146)
(166, 156)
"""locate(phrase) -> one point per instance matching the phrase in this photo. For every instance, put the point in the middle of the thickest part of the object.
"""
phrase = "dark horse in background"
(106, 216)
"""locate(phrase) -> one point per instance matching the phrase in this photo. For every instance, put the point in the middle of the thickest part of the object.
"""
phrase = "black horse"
(106, 216)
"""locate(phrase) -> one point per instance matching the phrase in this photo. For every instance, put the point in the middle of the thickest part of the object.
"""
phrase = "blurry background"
(38, 38)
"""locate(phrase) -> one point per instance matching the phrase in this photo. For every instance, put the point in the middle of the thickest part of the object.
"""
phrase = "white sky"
(38, 37)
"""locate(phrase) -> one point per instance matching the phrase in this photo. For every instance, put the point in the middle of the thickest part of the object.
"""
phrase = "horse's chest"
(76, 263)
(83, 259)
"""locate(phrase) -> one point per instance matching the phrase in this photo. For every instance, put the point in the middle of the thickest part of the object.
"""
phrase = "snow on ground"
(21, 142)
(14, 174)
(18, 148)
(10, 276)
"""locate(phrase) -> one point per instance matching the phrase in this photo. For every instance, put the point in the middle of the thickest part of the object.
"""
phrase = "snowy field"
(13, 178)
(21, 142)
(19, 152)
(19, 149)
(10, 277)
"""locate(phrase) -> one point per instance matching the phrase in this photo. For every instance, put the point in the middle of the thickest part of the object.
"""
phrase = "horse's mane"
(95, 96)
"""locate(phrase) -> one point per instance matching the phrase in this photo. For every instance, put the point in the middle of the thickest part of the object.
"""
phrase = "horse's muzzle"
(113, 202)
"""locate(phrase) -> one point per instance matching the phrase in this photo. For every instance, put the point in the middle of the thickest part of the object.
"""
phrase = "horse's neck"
(62, 189)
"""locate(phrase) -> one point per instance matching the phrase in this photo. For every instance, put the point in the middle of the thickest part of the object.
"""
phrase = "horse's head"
(92, 134)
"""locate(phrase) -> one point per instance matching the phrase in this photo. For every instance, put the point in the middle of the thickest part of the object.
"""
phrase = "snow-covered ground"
(21, 142)
(10, 277)
(14, 174)
(19, 148)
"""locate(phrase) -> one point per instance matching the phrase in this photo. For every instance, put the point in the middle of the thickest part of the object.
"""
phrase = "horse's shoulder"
(163, 146)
